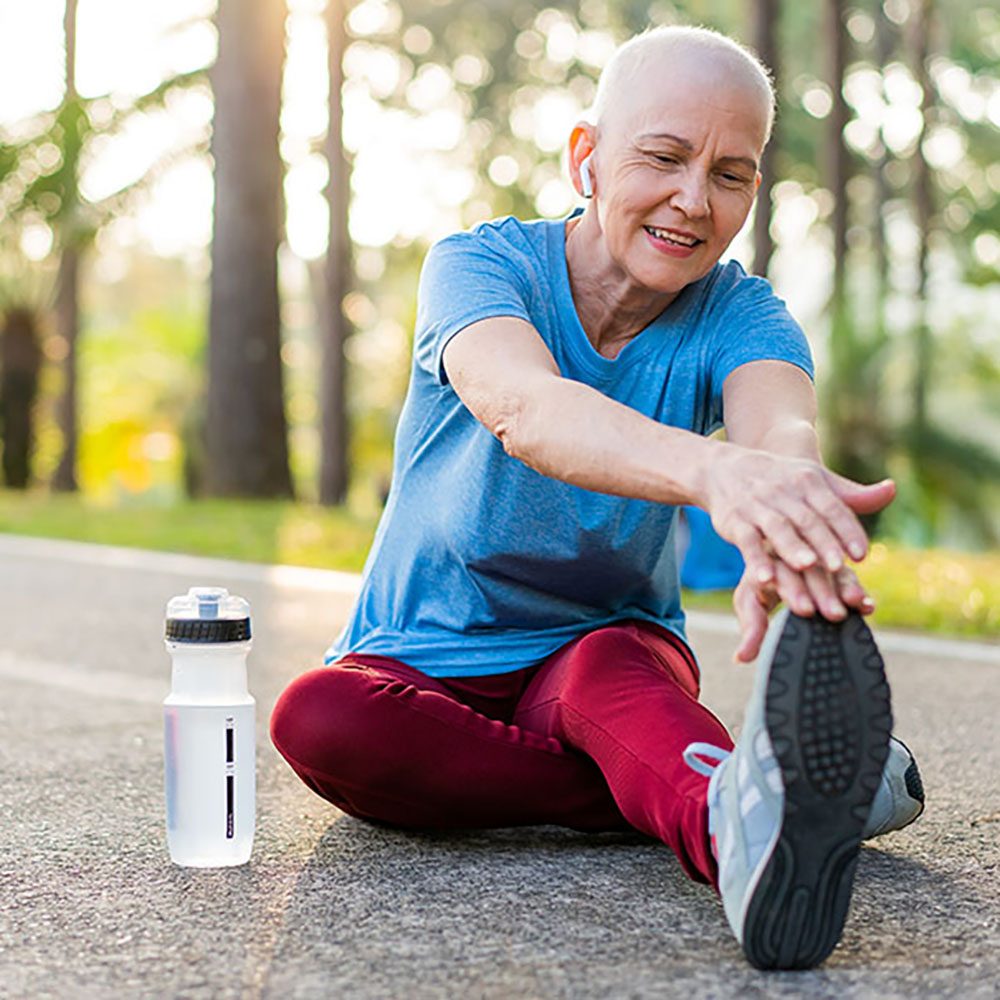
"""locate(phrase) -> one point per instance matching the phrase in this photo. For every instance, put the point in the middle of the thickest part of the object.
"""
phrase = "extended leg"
(626, 695)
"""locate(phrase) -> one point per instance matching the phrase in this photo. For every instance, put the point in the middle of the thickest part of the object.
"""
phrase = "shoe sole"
(828, 715)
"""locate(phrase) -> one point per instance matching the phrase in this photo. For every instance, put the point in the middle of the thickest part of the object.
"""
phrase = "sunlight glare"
(167, 228)
(31, 72)
(105, 65)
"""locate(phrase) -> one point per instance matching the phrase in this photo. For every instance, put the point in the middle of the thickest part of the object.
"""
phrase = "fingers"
(794, 591)
(751, 604)
(852, 593)
(811, 591)
(827, 532)
(823, 520)
(783, 537)
(809, 523)
(817, 591)
(791, 509)
(759, 566)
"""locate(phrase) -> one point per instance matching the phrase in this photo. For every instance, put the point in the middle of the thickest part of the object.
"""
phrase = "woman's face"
(675, 168)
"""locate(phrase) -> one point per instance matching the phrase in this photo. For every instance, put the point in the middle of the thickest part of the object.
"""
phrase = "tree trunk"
(68, 283)
(767, 14)
(837, 161)
(334, 437)
(880, 246)
(68, 326)
(923, 202)
(20, 360)
(856, 439)
(246, 433)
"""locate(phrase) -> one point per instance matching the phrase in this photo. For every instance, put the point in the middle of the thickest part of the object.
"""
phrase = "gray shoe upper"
(900, 796)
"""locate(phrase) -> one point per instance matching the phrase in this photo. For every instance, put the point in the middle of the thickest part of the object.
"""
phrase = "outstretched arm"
(771, 406)
(770, 506)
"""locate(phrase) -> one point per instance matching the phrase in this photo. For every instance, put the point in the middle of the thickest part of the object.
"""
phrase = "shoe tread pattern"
(828, 715)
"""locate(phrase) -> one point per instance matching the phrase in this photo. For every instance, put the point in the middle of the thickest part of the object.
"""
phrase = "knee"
(313, 715)
(600, 658)
(611, 644)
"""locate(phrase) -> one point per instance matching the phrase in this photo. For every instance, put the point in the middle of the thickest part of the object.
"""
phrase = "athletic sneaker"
(900, 796)
(897, 803)
(788, 806)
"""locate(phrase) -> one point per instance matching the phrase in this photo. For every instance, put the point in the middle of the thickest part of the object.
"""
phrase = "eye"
(733, 180)
(663, 158)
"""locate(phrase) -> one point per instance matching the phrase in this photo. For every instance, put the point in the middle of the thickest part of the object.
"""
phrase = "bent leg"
(385, 742)
(626, 695)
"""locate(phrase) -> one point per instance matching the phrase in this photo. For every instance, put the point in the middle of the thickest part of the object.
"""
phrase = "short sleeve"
(463, 281)
(752, 324)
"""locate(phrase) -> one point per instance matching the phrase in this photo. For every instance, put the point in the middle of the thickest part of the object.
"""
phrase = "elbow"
(793, 436)
(511, 426)
(508, 427)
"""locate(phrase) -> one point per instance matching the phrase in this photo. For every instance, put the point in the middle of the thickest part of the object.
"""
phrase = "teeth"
(684, 241)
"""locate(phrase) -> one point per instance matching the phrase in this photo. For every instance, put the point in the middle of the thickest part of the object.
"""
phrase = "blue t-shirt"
(480, 565)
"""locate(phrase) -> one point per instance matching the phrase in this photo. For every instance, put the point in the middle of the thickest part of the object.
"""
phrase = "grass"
(263, 531)
(931, 590)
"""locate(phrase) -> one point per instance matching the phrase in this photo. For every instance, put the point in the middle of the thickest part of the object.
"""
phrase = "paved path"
(90, 905)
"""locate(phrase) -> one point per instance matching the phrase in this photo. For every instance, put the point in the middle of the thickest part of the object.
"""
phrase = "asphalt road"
(90, 905)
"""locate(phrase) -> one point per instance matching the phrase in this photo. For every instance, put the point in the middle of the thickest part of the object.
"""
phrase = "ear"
(581, 147)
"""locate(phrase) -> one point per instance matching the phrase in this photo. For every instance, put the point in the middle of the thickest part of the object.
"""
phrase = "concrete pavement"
(90, 905)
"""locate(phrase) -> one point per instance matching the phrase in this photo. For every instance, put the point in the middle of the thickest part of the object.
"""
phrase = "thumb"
(860, 498)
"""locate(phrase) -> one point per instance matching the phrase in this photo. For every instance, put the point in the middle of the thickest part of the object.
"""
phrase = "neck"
(611, 307)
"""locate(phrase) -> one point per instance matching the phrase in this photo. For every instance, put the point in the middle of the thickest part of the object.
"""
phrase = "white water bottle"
(209, 731)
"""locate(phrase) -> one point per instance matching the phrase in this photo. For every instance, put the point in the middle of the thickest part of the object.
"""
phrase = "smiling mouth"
(669, 236)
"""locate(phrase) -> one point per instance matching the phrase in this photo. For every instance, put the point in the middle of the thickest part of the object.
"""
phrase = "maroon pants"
(590, 738)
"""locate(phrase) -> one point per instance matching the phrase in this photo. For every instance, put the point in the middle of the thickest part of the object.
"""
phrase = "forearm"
(576, 434)
(771, 406)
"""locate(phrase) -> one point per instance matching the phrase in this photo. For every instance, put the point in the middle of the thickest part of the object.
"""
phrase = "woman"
(517, 652)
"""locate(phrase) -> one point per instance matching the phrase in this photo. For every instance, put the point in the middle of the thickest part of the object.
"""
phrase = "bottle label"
(230, 777)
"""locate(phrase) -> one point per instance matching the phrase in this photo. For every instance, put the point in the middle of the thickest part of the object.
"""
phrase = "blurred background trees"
(41, 161)
(246, 443)
(256, 341)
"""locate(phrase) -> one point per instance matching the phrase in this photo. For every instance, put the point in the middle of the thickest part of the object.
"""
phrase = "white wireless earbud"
(586, 178)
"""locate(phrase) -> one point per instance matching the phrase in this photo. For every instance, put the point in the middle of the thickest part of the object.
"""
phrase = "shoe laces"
(696, 755)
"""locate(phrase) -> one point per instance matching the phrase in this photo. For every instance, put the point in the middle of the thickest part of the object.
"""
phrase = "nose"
(691, 196)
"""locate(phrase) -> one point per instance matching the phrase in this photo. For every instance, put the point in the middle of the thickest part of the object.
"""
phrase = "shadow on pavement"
(902, 906)
(545, 911)
(514, 911)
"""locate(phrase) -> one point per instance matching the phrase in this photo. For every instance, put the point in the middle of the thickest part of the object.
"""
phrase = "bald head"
(695, 53)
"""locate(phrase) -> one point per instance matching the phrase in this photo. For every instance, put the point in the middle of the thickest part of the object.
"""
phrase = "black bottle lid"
(207, 614)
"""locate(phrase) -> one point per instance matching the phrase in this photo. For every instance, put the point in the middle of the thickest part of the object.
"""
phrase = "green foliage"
(40, 172)
(140, 380)
(935, 590)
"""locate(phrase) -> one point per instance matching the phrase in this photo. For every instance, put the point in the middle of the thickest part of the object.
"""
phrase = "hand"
(814, 590)
(790, 508)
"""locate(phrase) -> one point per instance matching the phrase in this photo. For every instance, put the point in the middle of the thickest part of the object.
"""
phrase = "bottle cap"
(208, 614)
